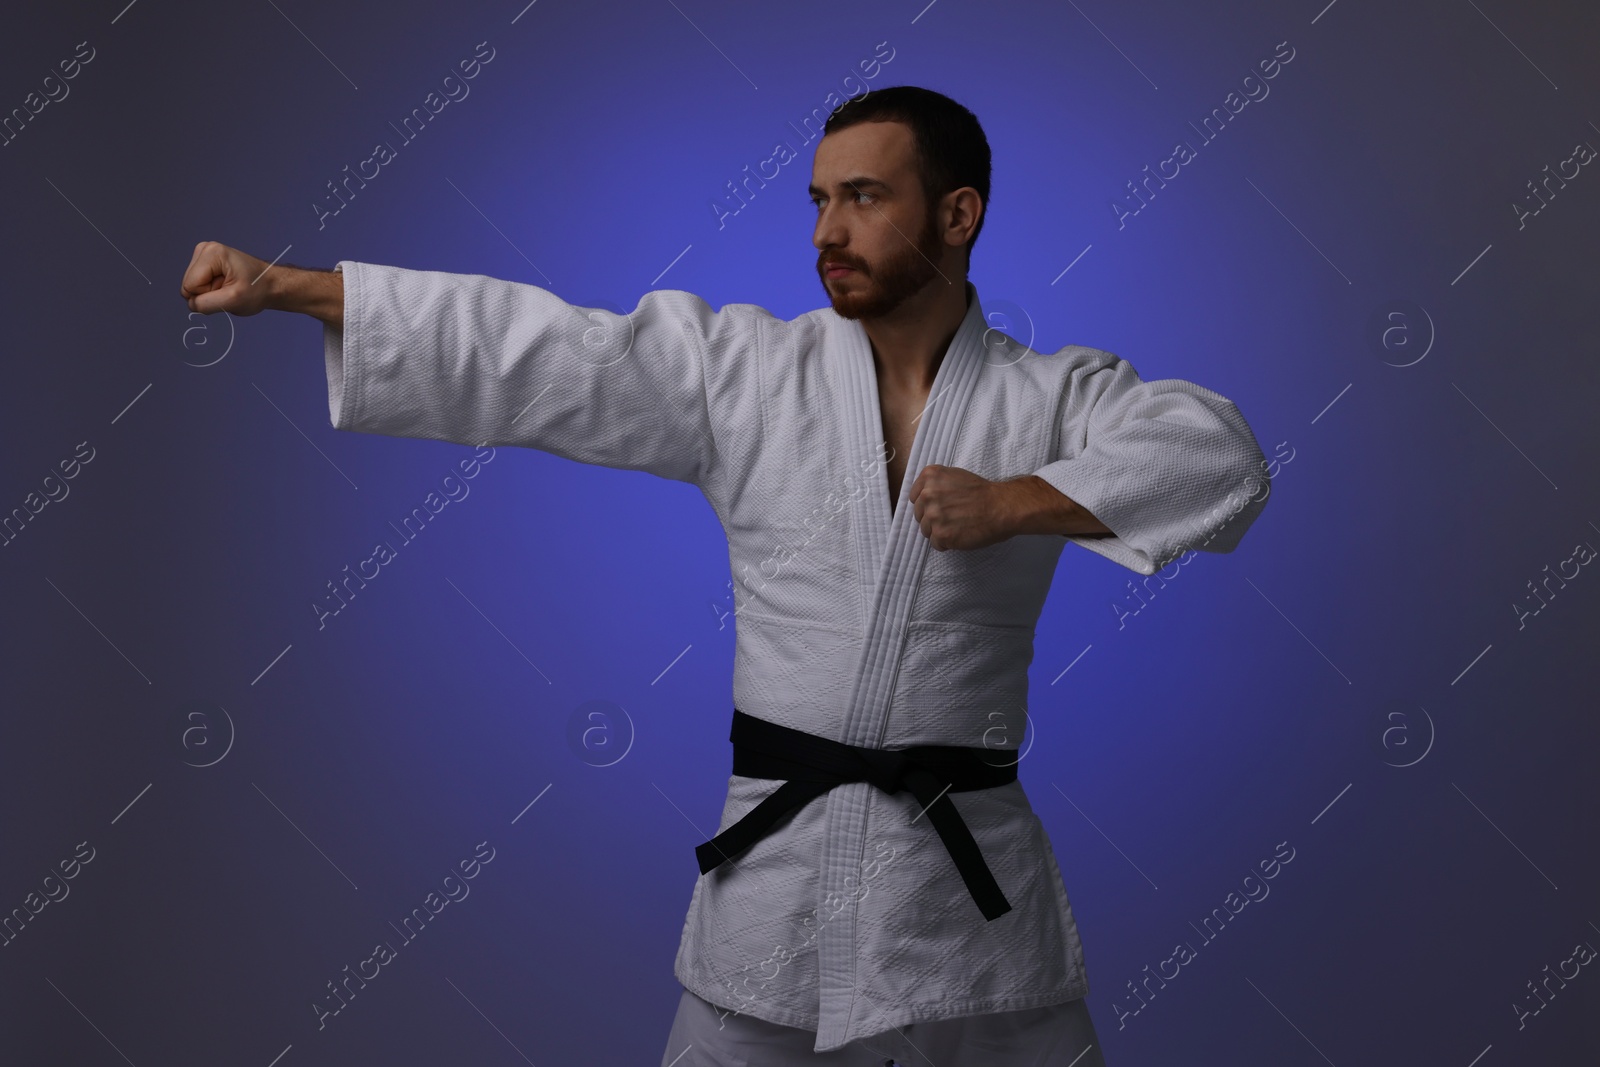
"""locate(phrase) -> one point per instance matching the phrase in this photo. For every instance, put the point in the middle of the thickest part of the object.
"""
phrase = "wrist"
(318, 293)
(272, 282)
(285, 287)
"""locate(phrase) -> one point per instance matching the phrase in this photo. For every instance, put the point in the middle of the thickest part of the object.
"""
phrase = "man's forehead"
(884, 150)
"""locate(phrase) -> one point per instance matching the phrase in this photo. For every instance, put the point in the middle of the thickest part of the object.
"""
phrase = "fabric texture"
(850, 918)
(1061, 1035)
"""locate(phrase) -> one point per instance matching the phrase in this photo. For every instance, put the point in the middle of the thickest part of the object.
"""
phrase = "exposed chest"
(901, 411)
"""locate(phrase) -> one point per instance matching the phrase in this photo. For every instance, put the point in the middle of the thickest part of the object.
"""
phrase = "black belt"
(812, 765)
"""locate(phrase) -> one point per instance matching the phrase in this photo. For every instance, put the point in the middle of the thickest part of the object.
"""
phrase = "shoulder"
(1051, 371)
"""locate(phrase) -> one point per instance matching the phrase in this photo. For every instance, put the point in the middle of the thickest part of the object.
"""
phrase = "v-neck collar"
(931, 441)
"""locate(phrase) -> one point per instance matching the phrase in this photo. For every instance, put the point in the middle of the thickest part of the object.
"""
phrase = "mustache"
(841, 260)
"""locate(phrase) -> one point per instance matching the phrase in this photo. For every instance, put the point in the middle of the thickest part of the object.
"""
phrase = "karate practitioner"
(897, 481)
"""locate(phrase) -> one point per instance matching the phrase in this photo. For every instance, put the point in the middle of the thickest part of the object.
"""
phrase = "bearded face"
(874, 288)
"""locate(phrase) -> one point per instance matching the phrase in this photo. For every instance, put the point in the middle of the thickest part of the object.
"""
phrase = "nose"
(829, 229)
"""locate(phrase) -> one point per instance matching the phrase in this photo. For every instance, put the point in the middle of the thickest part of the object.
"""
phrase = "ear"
(961, 211)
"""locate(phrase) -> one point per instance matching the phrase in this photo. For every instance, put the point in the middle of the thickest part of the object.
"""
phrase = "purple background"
(160, 610)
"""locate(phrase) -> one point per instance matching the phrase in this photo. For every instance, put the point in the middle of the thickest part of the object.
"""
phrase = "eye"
(816, 201)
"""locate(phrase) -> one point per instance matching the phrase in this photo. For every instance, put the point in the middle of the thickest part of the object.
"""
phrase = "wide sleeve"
(476, 360)
(1167, 465)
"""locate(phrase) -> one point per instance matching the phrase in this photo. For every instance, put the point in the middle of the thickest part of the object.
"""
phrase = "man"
(879, 889)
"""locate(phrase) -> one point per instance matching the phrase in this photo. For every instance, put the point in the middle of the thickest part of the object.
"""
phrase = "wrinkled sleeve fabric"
(1167, 465)
(476, 360)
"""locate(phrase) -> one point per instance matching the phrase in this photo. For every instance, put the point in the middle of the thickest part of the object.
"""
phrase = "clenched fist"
(959, 509)
(220, 278)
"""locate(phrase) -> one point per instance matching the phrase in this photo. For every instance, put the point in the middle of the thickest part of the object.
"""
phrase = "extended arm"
(478, 360)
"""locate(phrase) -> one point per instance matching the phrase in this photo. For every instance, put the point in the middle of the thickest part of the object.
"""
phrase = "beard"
(876, 290)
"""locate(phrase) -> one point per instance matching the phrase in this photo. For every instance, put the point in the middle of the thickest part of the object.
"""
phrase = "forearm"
(318, 293)
(1037, 507)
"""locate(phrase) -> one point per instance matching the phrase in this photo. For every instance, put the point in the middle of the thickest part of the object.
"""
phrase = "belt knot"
(885, 767)
(809, 766)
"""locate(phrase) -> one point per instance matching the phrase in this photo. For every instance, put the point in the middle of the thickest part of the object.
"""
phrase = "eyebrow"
(853, 184)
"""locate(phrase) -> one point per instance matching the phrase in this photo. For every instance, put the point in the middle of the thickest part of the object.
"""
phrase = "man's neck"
(909, 344)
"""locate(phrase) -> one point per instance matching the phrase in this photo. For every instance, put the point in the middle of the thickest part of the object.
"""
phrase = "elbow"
(1238, 523)
(1228, 537)
(1237, 514)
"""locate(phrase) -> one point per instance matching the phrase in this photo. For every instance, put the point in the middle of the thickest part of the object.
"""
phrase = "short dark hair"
(951, 149)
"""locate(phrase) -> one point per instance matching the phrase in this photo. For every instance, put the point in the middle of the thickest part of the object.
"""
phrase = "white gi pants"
(1060, 1035)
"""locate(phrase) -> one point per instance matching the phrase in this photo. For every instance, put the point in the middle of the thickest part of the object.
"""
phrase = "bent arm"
(1166, 466)
(1041, 508)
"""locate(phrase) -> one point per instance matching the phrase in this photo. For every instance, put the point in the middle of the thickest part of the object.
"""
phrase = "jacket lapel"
(890, 547)
(890, 552)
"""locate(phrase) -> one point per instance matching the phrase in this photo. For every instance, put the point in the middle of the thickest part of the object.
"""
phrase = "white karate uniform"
(1057, 1035)
(850, 918)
